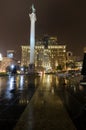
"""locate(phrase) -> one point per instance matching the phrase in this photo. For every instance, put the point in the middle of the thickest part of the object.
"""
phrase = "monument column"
(32, 40)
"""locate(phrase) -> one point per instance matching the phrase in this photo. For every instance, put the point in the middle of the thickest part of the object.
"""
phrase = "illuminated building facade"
(5, 62)
(48, 54)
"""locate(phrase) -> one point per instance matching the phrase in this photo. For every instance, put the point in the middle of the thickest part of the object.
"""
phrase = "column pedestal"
(31, 68)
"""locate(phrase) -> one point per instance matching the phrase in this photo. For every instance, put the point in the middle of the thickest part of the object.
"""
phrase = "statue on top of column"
(33, 9)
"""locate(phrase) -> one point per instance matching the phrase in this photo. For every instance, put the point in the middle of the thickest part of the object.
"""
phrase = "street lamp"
(1, 58)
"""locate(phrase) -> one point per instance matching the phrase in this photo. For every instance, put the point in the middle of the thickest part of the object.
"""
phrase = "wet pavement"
(15, 94)
(47, 103)
(46, 110)
(73, 96)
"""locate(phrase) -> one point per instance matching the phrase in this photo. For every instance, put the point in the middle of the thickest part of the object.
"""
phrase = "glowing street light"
(1, 58)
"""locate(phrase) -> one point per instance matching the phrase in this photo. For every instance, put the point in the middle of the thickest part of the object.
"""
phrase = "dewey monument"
(32, 40)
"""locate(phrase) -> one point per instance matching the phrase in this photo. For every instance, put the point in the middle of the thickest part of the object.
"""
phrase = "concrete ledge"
(45, 112)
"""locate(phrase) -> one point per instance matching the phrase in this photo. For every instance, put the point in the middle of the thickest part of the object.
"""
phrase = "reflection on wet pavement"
(15, 93)
(46, 110)
(74, 98)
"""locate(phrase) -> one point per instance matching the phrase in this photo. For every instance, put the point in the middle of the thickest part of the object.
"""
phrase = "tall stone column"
(32, 40)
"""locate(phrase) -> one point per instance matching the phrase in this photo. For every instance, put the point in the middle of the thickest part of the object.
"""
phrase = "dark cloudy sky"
(65, 19)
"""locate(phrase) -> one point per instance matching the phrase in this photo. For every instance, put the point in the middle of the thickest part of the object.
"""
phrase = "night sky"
(65, 19)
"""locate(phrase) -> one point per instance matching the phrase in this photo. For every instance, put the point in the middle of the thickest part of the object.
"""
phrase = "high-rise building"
(48, 54)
